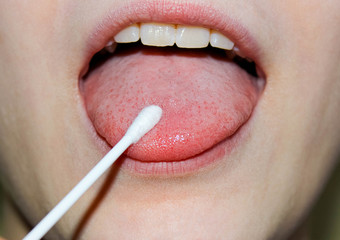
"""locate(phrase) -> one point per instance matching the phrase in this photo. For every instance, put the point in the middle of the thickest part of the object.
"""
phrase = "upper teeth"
(160, 35)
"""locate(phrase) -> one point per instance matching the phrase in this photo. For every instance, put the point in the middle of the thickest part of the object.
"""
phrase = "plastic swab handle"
(144, 122)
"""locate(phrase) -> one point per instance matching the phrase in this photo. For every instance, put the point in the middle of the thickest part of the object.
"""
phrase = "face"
(242, 148)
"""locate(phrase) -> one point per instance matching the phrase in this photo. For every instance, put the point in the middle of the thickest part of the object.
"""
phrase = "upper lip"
(175, 12)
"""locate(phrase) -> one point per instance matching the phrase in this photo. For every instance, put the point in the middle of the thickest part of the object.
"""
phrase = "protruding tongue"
(204, 98)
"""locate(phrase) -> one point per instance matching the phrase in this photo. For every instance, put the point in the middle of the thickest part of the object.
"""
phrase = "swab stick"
(143, 123)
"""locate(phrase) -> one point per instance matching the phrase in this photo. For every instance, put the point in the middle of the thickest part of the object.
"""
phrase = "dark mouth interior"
(102, 56)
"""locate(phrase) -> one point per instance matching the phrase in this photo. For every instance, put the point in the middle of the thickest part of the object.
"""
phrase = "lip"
(177, 13)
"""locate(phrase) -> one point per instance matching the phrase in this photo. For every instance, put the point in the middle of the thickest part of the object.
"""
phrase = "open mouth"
(206, 86)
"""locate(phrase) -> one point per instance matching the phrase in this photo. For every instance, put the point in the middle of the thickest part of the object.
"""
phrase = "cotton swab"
(143, 123)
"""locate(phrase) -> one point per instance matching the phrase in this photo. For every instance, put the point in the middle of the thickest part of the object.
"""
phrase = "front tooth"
(220, 41)
(129, 34)
(157, 34)
(192, 37)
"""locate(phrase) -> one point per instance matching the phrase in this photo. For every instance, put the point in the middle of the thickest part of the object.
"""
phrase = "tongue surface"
(204, 98)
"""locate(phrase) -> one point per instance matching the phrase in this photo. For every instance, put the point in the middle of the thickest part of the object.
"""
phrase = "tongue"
(205, 99)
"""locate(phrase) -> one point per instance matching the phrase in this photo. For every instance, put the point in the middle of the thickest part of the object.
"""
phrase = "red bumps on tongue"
(205, 99)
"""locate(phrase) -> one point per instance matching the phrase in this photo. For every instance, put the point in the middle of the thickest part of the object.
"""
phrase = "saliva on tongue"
(205, 99)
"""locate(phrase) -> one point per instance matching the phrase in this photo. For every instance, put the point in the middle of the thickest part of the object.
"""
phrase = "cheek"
(39, 122)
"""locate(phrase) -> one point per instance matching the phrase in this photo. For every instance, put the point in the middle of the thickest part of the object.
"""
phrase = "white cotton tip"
(144, 122)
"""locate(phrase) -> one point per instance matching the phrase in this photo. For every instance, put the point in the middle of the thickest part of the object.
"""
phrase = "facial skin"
(262, 190)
